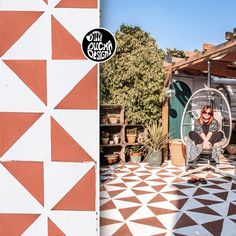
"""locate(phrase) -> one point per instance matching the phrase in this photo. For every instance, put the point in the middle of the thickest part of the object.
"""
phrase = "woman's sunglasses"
(208, 113)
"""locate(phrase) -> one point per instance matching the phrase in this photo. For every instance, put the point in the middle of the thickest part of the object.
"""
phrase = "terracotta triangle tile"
(46, 1)
(78, 4)
(143, 177)
(163, 171)
(106, 221)
(127, 212)
(158, 179)
(200, 192)
(124, 230)
(141, 184)
(176, 192)
(158, 198)
(214, 227)
(207, 202)
(182, 186)
(179, 203)
(209, 176)
(129, 175)
(30, 175)
(184, 221)
(234, 220)
(233, 187)
(128, 180)
(16, 224)
(84, 94)
(33, 74)
(158, 188)
(152, 221)
(134, 168)
(178, 180)
(222, 195)
(140, 192)
(13, 25)
(232, 209)
(64, 147)
(177, 172)
(81, 197)
(161, 211)
(115, 192)
(205, 210)
(143, 172)
(214, 187)
(13, 125)
(108, 205)
(129, 199)
(227, 178)
(64, 45)
(53, 229)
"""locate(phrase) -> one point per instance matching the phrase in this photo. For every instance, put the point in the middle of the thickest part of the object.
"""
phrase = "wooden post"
(165, 114)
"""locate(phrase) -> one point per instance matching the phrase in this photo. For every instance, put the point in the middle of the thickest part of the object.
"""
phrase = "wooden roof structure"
(222, 57)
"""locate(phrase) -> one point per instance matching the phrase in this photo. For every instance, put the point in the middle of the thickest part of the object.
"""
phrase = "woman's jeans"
(216, 137)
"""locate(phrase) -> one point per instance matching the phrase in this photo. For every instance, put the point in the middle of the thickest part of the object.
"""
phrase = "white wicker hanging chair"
(221, 108)
(222, 113)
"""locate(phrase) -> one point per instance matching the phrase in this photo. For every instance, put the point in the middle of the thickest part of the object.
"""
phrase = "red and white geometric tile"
(144, 201)
(49, 102)
(33, 192)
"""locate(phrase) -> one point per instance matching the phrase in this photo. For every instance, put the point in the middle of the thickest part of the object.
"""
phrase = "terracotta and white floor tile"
(156, 201)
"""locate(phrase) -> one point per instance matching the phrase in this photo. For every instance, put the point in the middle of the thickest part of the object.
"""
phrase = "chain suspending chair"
(222, 113)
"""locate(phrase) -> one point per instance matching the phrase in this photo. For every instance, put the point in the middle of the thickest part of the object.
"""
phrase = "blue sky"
(181, 24)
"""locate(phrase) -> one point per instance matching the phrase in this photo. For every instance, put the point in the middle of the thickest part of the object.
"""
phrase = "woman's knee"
(219, 135)
(192, 134)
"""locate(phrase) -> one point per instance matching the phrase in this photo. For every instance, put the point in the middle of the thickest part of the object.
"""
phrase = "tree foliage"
(134, 77)
(175, 52)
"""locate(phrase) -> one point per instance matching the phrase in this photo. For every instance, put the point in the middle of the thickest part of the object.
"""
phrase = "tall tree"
(134, 77)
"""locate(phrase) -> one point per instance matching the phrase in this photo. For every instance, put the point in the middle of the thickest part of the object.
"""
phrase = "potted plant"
(112, 158)
(113, 119)
(104, 119)
(155, 140)
(131, 135)
(105, 137)
(135, 153)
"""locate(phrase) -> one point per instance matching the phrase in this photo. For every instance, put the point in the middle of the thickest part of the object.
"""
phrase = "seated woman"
(206, 129)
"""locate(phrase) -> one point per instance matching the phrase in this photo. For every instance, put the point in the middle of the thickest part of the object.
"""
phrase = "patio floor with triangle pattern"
(155, 201)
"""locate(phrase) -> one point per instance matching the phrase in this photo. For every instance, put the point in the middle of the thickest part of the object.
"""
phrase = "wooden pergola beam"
(210, 54)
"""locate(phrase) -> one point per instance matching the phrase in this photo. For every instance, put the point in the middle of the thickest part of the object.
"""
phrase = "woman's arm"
(208, 136)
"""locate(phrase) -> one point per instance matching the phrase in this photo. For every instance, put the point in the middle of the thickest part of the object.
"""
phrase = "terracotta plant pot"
(231, 149)
(177, 152)
(111, 158)
(136, 157)
(131, 138)
(113, 119)
(105, 140)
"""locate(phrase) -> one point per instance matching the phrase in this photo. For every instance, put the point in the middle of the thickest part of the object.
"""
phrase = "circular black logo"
(99, 45)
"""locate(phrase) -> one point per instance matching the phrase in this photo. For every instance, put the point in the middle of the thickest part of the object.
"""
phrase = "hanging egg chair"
(221, 109)
(222, 113)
